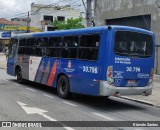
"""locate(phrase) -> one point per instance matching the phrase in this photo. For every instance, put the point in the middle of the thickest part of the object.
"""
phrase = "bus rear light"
(151, 77)
(110, 75)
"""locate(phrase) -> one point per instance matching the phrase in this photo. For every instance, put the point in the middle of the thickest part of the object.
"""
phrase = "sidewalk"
(3, 61)
(153, 99)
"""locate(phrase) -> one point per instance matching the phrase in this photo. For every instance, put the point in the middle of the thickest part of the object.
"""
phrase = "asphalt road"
(16, 98)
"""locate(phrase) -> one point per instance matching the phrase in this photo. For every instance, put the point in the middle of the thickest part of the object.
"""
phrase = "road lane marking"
(31, 89)
(6, 80)
(68, 103)
(68, 128)
(46, 95)
(10, 82)
(16, 84)
(48, 117)
(100, 115)
(35, 110)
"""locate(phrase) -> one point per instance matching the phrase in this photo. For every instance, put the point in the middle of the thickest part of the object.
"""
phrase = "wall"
(109, 9)
(38, 12)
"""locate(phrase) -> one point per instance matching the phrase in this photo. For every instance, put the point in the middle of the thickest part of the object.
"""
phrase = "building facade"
(42, 16)
(6, 31)
(21, 21)
(9, 28)
(137, 13)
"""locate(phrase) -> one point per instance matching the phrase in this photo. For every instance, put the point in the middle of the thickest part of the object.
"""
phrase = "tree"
(69, 24)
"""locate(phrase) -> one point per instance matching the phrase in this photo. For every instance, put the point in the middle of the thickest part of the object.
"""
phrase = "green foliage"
(69, 24)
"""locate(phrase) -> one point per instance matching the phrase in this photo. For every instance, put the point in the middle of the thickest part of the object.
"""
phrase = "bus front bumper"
(109, 90)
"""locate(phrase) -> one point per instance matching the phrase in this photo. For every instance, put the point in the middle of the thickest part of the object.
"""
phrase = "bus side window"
(41, 46)
(22, 46)
(30, 48)
(54, 47)
(42, 42)
(89, 47)
(22, 42)
(70, 47)
(31, 42)
(13, 47)
(21, 50)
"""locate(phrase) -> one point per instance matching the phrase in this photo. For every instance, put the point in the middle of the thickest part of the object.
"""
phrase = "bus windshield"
(133, 44)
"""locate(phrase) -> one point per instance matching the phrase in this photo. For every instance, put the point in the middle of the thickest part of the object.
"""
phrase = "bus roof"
(80, 31)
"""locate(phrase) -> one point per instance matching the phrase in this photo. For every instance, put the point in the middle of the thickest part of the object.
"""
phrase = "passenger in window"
(74, 44)
(97, 44)
(66, 45)
(123, 46)
(132, 46)
(143, 46)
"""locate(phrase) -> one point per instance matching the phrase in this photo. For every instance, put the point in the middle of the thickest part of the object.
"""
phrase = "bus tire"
(19, 76)
(63, 87)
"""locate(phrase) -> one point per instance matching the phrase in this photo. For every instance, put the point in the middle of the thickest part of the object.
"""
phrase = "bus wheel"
(63, 87)
(19, 76)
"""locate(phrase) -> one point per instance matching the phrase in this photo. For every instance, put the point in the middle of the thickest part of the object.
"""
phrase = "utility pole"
(89, 13)
(28, 25)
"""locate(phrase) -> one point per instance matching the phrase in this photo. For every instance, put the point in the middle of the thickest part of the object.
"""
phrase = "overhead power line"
(17, 15)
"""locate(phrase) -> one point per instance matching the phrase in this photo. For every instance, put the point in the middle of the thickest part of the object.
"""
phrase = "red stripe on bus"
(52, 74)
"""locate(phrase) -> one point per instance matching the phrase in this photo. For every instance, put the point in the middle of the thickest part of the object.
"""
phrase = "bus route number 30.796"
(133, 69)
(88, 69)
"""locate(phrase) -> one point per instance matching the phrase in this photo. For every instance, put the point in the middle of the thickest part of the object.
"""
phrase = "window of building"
(50, 28)
(61, 18)
(48, 19)
(70, 47)
(89, 46)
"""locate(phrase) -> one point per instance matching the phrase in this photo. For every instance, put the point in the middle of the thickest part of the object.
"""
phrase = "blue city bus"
(98, 61)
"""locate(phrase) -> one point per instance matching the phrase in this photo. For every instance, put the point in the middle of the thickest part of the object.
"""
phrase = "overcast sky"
(19, 8)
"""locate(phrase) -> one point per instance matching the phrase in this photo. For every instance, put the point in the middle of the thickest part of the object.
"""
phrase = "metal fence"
(157, 60)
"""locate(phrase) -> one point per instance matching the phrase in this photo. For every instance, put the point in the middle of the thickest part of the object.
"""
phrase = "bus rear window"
(133, 44)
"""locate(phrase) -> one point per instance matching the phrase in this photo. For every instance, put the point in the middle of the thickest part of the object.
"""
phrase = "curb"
(140, 101)
(2, 68)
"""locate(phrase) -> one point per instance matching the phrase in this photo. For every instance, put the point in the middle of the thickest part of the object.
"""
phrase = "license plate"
(131, 81)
